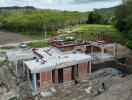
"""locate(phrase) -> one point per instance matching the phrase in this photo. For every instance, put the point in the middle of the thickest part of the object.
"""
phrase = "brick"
(67, 48)
(96, 49)
(45, 78)
(89, 49)
(109, 50)
(82, 68)
(67, 74)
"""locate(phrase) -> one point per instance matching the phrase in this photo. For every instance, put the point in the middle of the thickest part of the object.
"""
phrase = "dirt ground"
(8, 37)
(117, 88)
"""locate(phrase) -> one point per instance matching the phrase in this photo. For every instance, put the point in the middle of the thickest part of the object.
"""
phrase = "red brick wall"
(96, 49)
(45, 78)
(82, 69)
(67, 74)
(89, 49)
(67, 48)
(109, 50)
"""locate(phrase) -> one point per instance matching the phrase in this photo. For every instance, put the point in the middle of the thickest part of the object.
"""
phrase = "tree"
(95, 18)
(123, 20)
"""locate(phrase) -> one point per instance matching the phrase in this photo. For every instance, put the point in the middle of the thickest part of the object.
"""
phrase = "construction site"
(69, 68)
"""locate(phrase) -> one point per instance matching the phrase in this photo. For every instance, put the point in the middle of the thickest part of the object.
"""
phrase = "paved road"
(26, 41)
(17, 44)
(9, 37)
(13, 39)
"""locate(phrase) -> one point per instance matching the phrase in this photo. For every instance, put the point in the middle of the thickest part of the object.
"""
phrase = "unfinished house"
(66, 61)
(59, 65)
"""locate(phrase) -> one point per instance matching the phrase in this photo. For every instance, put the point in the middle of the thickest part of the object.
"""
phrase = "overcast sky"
(72, 5)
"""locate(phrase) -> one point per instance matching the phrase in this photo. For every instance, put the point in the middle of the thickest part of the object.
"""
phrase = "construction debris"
(53, 89)
(61, 71)
(88, 90)
(46, 94)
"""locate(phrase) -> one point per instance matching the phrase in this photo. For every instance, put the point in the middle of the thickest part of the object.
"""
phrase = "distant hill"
(16, 7)
(108, 9)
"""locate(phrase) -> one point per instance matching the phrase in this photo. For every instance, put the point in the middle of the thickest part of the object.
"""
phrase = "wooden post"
(82, 36)
(45, 32)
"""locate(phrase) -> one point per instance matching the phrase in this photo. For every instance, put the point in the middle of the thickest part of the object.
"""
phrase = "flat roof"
(55, 59)
(18, 55)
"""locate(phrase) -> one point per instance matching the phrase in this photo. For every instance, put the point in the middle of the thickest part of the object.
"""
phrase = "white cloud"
(80, 5)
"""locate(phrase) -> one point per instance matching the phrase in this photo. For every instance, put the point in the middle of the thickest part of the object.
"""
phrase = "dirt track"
(8, 37)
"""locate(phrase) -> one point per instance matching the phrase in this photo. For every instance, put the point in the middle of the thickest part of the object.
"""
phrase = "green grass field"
(87, 29)
(37, 44)
(39, 35)
(107, 29)
(8, 47)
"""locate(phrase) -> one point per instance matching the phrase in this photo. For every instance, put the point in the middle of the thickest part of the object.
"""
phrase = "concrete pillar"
(90, 68)
(92, 49)
(23, 67)
(34, 82)
(87, 67)
(12, 63)
(28, 77)
(16, 67)
(76, 72)
(114, 51)
(56, 76)
(102, 49)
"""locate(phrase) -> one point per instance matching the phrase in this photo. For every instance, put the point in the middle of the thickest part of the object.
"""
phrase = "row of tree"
(100, 16)
(123, 20)
(41, 20)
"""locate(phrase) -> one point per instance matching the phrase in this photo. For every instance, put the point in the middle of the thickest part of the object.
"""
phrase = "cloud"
(80, 5)
(55, 2)
(90, 1)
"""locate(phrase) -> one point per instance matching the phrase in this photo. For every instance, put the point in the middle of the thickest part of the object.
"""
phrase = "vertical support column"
(102, 50)
(92, 49)
(12, 63)
(28, 78)
(87, 68)
(114, 51)
(76, 72)
(45, 33)
(34, 83)
(90, 68)
(23, 67)
(56, 76)
(16, 67)
(82, 36)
